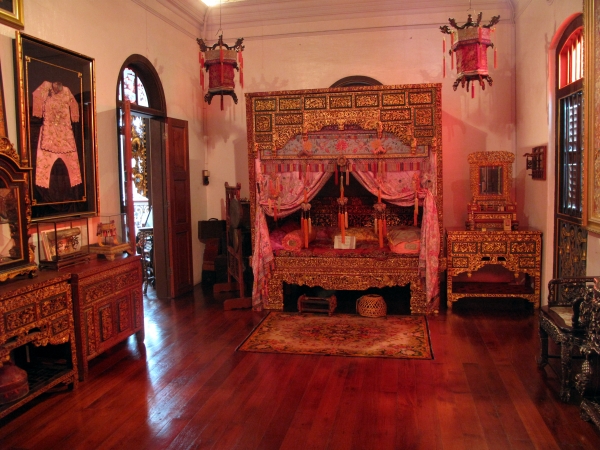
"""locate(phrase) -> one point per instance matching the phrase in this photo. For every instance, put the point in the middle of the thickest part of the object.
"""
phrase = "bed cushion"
(293, 241)
(404, 239)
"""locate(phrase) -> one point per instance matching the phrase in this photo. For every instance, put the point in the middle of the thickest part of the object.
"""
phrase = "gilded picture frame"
(11, 13)
(57, 111)
(591, 198)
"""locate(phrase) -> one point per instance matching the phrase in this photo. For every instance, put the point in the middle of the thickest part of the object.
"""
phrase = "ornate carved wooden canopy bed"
(357, 167)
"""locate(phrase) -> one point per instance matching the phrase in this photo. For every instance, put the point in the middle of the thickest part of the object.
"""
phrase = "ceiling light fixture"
(220, 61)
(470, 43)
(210, 3)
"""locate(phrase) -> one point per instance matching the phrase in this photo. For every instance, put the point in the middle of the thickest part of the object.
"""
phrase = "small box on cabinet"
(110, 232)
(62, 243)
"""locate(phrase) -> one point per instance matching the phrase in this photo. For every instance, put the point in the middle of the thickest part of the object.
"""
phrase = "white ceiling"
(248, 13)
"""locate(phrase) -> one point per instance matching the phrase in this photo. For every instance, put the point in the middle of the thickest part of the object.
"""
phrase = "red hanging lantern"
(220, 61)
(470, 43)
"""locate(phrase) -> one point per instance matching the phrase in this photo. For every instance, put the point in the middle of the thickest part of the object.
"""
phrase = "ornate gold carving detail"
(7, 149)
(106, 324)
(19, 318)
(460, 262)
(393, 99)
(346, 273)
(138, 307)
(288, 119)
(425, 132)
(90, 331)
(523, 247)
(96, 291)
(262, 123)
(60, 324)
(464, 247)
(366, 100)
(54, 304)
(263, 137)
(420, 98)
(315, 102)
(423, 116)
(264, 104)
(124, 314)
(396, 115)
(338, 101)
(316, 121)
(290, 104)
(139, 155)
(502, 159)
(494, 247)
(527, 262)
(572, 247)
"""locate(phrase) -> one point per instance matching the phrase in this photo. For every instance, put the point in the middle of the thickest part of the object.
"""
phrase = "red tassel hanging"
(444, 67)
(336, 174)
(495, 59)
(202, 70)
(221, 103)
(444, 58)
(241, 69)
(472, 90)
(451, 51)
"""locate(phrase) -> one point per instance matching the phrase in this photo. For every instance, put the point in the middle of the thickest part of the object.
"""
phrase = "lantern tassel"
(451, 51)
(241, 69)
(495, 58)
(201, 70)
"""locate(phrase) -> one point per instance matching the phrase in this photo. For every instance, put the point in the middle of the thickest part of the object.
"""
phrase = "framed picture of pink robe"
(57, 109)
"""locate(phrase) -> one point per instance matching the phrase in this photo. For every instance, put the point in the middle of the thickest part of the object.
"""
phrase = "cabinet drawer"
(96, 288)
(23, 312)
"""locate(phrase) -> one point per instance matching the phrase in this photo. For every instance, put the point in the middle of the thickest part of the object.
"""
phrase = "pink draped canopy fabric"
(397, 188)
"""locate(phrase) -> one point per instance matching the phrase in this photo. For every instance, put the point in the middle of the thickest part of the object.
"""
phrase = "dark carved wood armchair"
(588, 381)
(560, 320)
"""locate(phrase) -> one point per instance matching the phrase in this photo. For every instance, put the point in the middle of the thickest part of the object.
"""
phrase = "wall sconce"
(536, 162)
(205, 175)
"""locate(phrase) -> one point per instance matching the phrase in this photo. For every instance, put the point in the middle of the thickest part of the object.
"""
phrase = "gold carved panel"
(591, 102)
(290, 104)
(336, 102)
(364, 101)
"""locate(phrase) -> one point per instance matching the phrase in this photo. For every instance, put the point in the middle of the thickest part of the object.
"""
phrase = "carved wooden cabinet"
(520, 252)
(108, 305)
(37, 333)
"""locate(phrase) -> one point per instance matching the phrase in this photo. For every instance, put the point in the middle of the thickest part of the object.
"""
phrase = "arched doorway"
(160, 175)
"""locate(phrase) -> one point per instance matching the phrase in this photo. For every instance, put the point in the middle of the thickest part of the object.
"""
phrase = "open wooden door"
(179, 223)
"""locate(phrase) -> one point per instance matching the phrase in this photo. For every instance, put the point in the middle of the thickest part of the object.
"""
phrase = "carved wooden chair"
(588, 380)
(560, 320)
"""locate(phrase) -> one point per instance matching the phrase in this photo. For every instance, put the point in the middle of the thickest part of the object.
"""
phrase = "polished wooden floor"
(190, 388)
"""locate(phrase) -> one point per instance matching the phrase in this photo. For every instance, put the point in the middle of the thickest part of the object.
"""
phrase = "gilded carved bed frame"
(411, 113)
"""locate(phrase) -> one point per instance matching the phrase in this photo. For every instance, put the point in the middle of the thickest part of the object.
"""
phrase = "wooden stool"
(317, 304)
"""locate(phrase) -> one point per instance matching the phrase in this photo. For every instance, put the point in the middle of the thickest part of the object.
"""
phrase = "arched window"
(570, 236)
(139, 83)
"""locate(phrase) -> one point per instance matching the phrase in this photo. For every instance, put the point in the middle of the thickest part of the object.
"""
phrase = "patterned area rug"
(342, 335)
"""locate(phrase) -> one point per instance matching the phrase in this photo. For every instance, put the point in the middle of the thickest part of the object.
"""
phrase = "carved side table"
(37, 333)
(108, 305)
(518, 251)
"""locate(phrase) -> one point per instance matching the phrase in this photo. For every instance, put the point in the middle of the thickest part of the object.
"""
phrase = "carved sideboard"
(518, 251)
(37, 333)
(108, 305)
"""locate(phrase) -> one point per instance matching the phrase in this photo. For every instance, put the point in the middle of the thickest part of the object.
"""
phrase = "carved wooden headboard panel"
(394, 128)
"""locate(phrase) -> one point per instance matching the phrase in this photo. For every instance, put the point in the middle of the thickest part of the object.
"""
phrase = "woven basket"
(371, 305)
